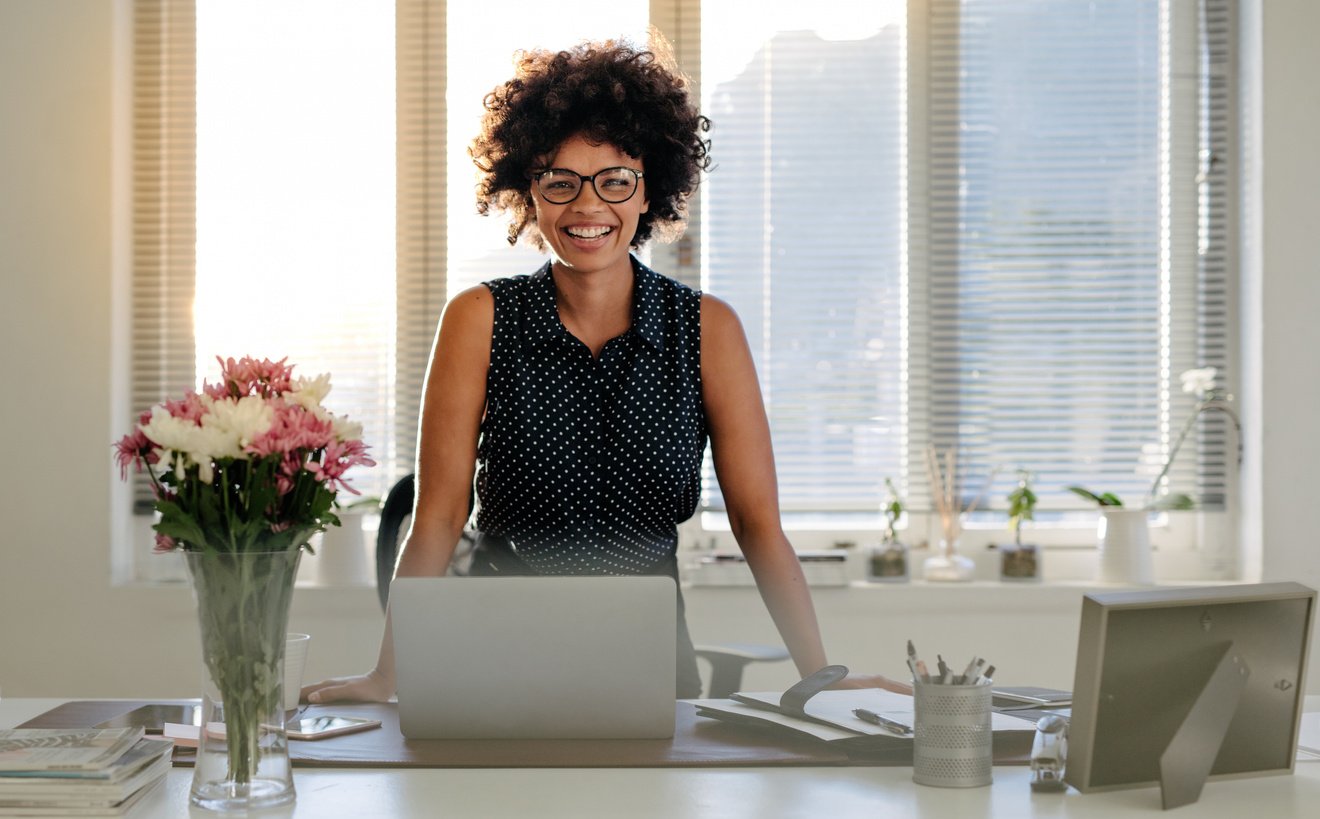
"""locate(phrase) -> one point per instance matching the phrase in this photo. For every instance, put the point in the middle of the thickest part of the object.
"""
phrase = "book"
(146, 761)
(95, 809)
(1024, 695)
(27, 750)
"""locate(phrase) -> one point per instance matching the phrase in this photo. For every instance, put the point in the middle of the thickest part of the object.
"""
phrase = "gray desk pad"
(697, 742)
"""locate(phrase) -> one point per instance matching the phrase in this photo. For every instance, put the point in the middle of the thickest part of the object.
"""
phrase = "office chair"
(727, 661)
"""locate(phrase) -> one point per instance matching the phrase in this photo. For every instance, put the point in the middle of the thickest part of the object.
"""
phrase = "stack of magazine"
(78, 772)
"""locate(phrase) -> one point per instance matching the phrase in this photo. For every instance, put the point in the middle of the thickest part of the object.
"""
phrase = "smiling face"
(589, 234)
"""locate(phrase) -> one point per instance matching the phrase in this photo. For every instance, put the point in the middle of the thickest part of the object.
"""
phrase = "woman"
(583, 395)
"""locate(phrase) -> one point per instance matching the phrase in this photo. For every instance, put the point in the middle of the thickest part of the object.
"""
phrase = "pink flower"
(248, 376)
(189, 408)
(293, 429)
(338, 458)
(133, 450)
(164, 543)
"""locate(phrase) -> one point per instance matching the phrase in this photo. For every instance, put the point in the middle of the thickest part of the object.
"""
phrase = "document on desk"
(832, 714)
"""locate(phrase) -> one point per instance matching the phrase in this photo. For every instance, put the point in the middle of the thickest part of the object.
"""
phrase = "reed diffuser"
(947, 564)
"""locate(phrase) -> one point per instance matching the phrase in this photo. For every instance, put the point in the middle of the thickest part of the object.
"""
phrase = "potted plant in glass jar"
(1020, 561)
(888, 562)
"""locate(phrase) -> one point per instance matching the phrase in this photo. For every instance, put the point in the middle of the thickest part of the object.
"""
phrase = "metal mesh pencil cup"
(952, 736)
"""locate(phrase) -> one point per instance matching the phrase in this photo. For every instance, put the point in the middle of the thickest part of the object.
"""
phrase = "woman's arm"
(745, 465)
(452, 407)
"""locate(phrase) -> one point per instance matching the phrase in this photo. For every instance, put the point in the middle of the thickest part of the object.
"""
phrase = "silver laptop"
(534, 657)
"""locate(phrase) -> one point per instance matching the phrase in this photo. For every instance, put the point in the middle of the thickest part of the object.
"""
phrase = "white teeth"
(587, 232)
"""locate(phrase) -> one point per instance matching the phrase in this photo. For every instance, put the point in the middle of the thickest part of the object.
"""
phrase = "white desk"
(691, 793)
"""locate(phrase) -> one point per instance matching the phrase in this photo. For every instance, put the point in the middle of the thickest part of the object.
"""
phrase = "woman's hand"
(873, 681)
(369, 687)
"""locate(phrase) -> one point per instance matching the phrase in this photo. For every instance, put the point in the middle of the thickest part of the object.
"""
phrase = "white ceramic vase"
(343, 559)
(1124, 540)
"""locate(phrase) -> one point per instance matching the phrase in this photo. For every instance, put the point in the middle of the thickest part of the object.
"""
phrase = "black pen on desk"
(866, 715)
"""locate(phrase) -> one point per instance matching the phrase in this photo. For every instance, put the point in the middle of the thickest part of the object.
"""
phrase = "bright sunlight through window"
(295, 193)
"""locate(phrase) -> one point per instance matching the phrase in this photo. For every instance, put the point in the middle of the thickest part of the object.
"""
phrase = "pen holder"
(952, 737)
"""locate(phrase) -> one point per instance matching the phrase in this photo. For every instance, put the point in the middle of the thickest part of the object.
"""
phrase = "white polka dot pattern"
(588, 464)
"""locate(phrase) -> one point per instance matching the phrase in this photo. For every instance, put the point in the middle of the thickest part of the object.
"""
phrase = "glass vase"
(243, 613)
(946, 565)
(887, 563)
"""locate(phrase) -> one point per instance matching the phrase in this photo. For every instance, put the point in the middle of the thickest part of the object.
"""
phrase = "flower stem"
(1211, 404)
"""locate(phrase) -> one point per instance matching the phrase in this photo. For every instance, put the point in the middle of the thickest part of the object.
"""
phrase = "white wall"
(65, 631)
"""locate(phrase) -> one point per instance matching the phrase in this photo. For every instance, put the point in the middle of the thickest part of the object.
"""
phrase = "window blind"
(422, 246)
(803, 236)
(164, 208)
(994, 226)
(1074, 269)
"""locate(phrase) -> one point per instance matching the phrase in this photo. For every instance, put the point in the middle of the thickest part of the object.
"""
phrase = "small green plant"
(1107, 499)
(1021, 505)
(893, 510)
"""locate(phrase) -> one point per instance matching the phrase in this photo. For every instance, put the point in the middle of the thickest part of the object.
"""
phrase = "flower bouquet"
(244, 473)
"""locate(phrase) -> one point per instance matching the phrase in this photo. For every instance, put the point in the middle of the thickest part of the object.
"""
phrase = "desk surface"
(702, 792)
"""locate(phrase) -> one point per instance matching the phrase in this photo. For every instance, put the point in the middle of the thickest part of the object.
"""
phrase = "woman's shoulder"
(473, 307)
(519, 283)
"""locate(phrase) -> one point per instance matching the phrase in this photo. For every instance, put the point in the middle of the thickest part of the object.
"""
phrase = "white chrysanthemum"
(346, 430)
(236, 424)
(309, 392)
(168, 432)
(1199, 381)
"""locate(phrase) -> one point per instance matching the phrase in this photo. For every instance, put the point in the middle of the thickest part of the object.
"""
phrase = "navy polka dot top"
(588, 464)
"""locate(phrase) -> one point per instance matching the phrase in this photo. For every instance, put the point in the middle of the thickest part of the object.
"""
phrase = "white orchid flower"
(1199, 381)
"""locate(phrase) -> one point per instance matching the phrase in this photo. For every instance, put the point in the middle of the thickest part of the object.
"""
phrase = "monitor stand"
(1187, 761)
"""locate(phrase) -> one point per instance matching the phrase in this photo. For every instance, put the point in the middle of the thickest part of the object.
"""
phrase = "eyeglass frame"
(637, 177)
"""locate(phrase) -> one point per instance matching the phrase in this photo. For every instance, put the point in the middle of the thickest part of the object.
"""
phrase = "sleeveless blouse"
(587, 465)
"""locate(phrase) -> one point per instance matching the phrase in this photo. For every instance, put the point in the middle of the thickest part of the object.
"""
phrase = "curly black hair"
(610, 93)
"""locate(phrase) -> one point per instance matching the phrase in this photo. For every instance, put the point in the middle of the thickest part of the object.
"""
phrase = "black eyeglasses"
(559, 186)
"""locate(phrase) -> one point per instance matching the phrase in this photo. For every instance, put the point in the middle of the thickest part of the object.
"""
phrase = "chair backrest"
(396, 510)
(394, 516)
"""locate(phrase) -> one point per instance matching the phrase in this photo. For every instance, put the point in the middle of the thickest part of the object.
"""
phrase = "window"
(995, 225)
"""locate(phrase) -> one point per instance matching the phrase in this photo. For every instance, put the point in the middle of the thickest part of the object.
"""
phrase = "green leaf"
(1107, 499)
(1176, 502)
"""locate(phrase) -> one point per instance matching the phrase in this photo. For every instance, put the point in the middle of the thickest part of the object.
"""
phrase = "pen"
(945, 676)
(969, 676)
(875, 719)
(912, 661)
(985, 676)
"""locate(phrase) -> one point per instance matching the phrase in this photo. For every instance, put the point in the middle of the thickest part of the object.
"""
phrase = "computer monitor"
(1174, 686)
